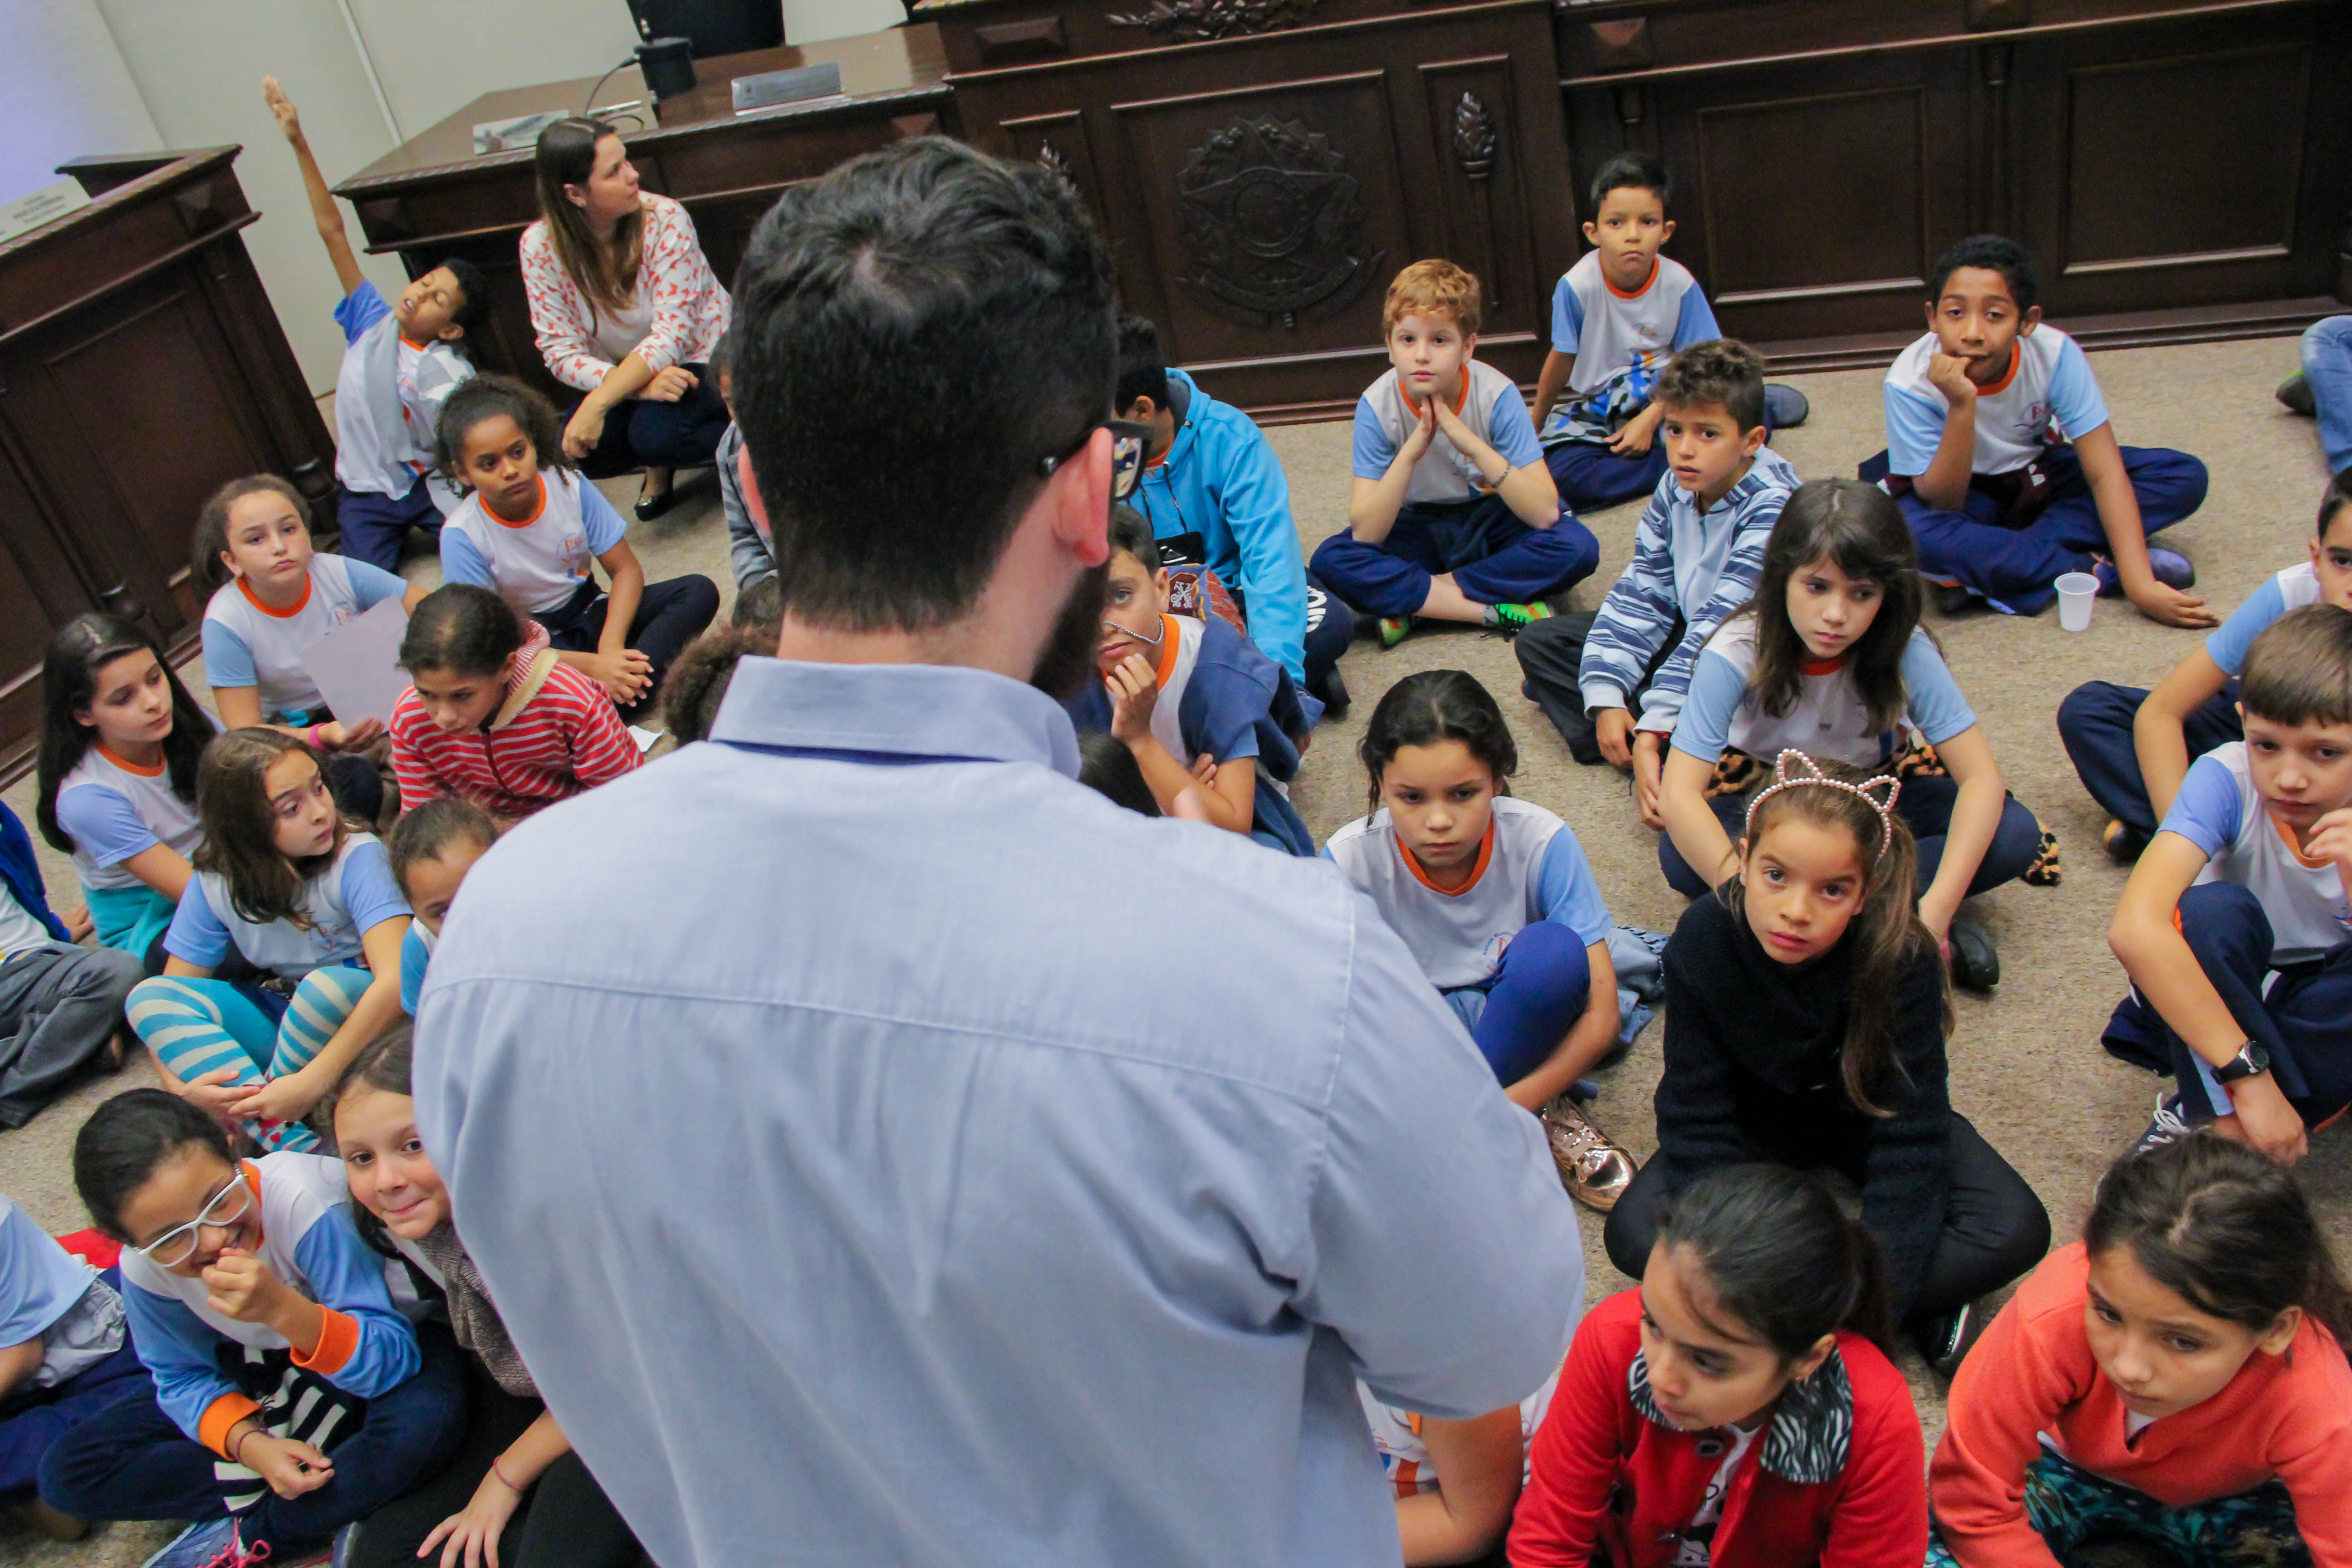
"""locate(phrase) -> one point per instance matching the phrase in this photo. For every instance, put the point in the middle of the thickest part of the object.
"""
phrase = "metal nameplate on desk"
(771, 88)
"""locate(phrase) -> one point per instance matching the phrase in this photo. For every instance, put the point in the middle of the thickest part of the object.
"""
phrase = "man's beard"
(1068, 660)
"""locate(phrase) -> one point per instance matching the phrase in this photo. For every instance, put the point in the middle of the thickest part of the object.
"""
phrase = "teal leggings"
(196, 1026)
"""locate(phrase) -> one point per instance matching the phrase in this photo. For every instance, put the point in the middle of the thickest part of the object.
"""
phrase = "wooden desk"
(432, 197)
(141, 368)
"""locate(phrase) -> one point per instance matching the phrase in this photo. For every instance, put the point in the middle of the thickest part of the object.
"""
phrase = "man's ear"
(1140, 411)
(1077, 495)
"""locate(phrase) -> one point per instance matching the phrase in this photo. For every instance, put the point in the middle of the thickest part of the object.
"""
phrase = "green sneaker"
(1394, 629)
(1517, 618)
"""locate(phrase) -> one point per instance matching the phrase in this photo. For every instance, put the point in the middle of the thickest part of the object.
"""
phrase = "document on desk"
(357, 665)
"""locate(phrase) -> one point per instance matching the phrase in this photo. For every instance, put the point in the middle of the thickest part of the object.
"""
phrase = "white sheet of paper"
(357, 665)
(644, 738)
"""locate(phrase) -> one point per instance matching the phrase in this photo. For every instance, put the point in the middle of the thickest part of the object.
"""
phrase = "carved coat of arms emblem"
(1272, 223)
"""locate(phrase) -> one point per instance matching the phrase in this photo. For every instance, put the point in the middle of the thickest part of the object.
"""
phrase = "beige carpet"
(2027, 1067)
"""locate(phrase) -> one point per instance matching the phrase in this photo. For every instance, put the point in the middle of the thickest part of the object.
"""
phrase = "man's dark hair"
(1142, 369)
(1636, 170)
(913, 334)
(1994, 253)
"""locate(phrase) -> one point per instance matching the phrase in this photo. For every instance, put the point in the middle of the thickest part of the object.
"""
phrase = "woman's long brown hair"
(241, 833)
(567, 156)
(1855, 526)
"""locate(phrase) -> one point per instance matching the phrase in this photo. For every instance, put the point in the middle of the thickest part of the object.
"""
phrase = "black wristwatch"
(2253, 1058)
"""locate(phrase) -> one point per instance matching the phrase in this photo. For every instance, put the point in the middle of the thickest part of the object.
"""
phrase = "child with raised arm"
(291, 1396)
(1696, 554)
(2000, 449)
(2236, 927)
(1617, 316)
(529, 525)
(399, 362)
(2170, 1391)
(2133, 747)
(1452, 515)
(1832, 659)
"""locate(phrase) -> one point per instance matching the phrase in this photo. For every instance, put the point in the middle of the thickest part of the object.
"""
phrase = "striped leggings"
(196, 1026)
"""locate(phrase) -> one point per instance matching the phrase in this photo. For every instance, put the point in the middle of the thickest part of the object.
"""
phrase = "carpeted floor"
(2026, 1064)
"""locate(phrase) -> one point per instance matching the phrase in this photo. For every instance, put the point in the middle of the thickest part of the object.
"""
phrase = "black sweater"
(1752, 1073)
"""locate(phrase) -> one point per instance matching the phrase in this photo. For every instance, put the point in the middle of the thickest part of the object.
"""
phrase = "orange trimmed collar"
(1824, 666)
(1167, 645)
(2286, 837)
(1646, 283)
(536, 512)
(1461, 400)
(2016, 358)
(1486, 856)
(126, 764)
(254, 600)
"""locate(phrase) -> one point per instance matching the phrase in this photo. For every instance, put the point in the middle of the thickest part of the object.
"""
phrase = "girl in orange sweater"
(2170, 1392)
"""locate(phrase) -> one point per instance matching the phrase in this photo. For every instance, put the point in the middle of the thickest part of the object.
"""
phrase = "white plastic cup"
(2075, 591)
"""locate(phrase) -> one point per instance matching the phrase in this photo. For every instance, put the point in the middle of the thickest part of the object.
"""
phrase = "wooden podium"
(141, 368)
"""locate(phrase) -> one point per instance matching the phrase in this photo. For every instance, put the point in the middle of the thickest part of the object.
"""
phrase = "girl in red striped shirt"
(495, 720)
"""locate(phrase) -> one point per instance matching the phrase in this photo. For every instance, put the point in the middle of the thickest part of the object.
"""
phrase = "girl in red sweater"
(1736, 1411)
(2170, 1391)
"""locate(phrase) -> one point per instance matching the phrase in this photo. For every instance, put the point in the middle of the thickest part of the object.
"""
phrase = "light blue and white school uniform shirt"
(1530, 868)
(247, 643)
(345, 901)
(537, 564)
(2049, 394)
(1829, 722)
(415, 959)
(1404, 1456)
(2220, 811)
(48, 1294)
(1621, 342)
(307, 1239)
(2292, 589)
(388, 397)
(113, 811)
(1485, 399)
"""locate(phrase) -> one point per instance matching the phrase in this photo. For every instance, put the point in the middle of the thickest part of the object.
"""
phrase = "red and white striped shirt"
(555, 735)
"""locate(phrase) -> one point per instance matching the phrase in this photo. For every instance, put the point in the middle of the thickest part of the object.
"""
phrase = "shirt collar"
(894, 711)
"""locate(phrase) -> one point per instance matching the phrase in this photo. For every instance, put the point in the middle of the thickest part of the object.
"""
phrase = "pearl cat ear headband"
(1794, 770)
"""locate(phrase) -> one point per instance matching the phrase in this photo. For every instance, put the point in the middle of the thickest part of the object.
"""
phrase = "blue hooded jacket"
(22, 873)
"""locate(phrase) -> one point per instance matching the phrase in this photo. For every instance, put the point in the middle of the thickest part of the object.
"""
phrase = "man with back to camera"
(936, 1163)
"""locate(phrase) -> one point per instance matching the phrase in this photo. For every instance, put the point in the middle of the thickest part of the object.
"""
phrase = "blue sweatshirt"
(1219, 478)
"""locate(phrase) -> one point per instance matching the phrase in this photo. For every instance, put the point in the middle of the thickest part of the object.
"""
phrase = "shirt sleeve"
(1509, 430)
(2074, 400)
(1567, 317)
(179, 1350)
(462, 562)
(371, 587)
(566, 339)
(1697, 324)
(603, 524)
(747, 552)
(1733, 589)
(415, 959)
(1915, 427)
(1574, 1464)
(196, 934)
(601, 747)
(358, 311)
(228, 662)
(1566, 891)
(1882, 1507)
(2008, 1392)
(1255, 500)
(1634, 617)
(2226, 646)
(1222, 707)
(2210, 809)
(368, 892)
(412, 763)
(1932, 695)
(1703, 728)
(367, 1348)
(1450, 1267)
(1373, 449)
(103, 824)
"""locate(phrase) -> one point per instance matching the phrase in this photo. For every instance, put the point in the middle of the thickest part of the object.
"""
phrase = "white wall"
(813, 21)
(64, 92)
(508, 43)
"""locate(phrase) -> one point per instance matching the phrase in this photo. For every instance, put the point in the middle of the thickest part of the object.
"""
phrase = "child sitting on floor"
(1831, 660)
(432, 849)
(2000, 452)
(399, 362)
(1737, 1408)
(1194, 700)
(1616, 317)
(750, 545)
(2235, 928)
(528, 529)
(2133, 747)
(494, 716)
(1806, 1020)
(121, 739)
(1696, 554)
(1495, 897)
(283, 879)
(2170, 1391)
(1452, 515)
(273, 598)
(291, 1398)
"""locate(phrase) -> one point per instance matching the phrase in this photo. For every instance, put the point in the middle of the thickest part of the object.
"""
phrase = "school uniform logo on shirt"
(1491, 955)
(575, 554)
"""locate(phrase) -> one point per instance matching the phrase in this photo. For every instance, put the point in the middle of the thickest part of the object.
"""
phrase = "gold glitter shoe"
(1595, 1171)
